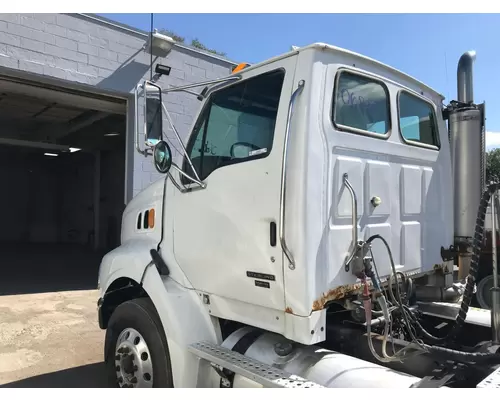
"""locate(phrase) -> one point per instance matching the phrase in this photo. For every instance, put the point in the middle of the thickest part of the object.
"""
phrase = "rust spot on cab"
(336, 294)
(289, 310)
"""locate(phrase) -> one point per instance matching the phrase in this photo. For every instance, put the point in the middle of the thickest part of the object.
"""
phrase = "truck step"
(254, 370)
(492, 381)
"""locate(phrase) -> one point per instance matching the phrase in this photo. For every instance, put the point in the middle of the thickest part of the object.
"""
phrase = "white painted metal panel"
(222, 232)
(409, 180)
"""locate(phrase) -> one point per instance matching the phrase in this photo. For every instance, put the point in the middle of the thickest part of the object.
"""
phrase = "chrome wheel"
(134, 368)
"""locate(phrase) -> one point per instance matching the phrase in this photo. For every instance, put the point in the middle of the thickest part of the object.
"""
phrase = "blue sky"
(426, 46)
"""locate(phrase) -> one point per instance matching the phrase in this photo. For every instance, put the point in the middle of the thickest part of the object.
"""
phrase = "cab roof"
(340, 51)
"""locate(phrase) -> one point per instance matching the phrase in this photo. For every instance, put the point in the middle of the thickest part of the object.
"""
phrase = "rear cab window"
(417, 121)
(361, 105)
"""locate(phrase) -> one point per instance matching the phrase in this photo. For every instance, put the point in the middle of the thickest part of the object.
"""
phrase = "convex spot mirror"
(153, 113)
(162, 157)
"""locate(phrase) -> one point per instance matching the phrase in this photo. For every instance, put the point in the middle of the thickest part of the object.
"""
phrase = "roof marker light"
(239, 67)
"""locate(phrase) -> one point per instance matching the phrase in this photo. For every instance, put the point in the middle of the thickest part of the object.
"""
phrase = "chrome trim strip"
(354, 205)
(284, 246)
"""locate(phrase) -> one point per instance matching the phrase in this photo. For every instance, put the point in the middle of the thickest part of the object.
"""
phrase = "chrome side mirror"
(162, 157)
(153, 113)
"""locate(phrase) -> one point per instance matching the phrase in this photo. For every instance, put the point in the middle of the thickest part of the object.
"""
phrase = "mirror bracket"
(151, 144)
(196, 178)
(163, 163)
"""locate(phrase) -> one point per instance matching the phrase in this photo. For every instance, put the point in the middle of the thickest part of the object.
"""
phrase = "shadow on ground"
(47, 268)
(87, 376)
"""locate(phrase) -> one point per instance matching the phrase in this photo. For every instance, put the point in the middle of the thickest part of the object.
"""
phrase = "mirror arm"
(190, 92)
(217, 87)
(144, 85)
(198, 180)
(205, 83)
(179, 188)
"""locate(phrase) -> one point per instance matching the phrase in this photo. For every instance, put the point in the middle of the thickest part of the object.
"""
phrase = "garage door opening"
(62, 173)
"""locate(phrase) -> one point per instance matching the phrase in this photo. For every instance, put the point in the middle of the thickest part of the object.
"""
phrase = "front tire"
(136, 350)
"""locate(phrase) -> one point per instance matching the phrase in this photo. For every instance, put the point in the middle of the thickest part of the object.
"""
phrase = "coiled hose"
(467, 296)
(476, 250)
(474, 266)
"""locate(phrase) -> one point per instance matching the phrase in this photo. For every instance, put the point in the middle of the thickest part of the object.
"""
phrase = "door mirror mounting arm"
(154, 110)
(163, 164)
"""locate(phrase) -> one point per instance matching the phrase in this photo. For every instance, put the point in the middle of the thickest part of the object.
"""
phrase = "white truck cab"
(266, 229)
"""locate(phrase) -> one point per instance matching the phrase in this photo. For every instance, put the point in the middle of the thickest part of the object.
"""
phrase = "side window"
(236, 124)
(417, 121)
(361, 104)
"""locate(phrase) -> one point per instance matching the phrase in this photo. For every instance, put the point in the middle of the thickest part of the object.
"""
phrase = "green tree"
(493, 165)
(172, 34)
(194, 43)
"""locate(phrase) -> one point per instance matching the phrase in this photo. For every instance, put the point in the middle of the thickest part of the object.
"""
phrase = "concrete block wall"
(85, 52)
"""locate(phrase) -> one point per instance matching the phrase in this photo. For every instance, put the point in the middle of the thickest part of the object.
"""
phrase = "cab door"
(225, 234)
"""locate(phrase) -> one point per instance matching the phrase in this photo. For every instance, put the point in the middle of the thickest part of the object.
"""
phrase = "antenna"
(151, 48)
(446, 72)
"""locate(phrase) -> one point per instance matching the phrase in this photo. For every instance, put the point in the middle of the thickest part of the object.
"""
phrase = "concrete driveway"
(51, 340)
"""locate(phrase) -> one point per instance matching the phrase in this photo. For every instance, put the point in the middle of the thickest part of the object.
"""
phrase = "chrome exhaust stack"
(466, 129)
(465, 81)
(466, 124)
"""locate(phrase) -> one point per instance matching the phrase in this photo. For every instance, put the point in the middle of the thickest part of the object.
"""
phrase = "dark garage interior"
(62, 177)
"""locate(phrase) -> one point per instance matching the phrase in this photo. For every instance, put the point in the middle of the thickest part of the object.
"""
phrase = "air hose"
(393, 266)
(471, 277)
(474, 266)
(467, 296)
(462, 356)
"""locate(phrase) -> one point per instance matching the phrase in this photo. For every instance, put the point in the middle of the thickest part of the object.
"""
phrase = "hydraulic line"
(399, 303)
(385, 358)
(471, 277)
(476, 250)
(464, 307)
(462, 356)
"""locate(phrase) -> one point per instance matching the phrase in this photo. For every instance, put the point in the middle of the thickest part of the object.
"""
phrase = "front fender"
(185, 321)
(184, 318)
(128, 260)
